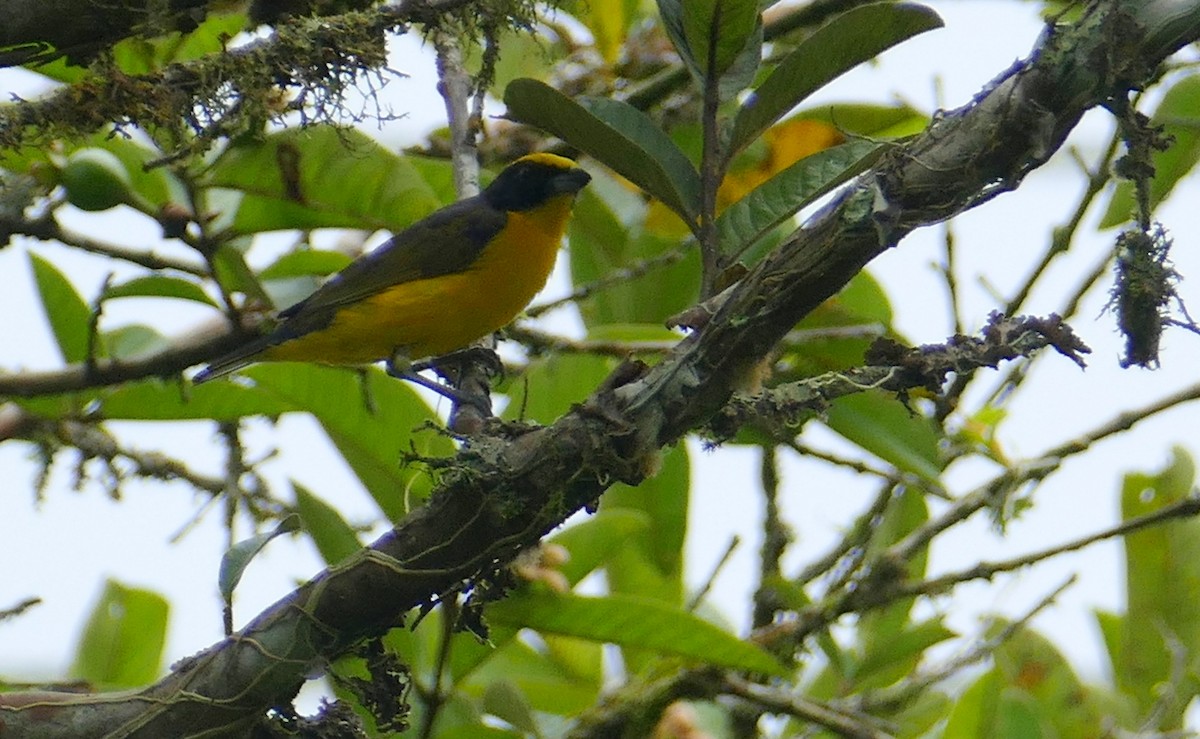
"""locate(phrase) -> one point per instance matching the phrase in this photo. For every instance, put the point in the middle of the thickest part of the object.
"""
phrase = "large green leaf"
(652, 566)
(1112, 631)
(298, 179)
(664, 497)
(334, 538)
(1030, 662)
(717, 31)
(305, 263)
(167, 400)
(371, 418)
(615, 133)
(632, 621)
(845, 42)
(1162, 566)
(122, 642)
(551, 385)
(159, 286)
(155, 186)
(974, 714)
(593, 542)
(133, 341)
(69, 316)
(1179, 115)
(895, 658)
(546, 682)
(601, 242)
(140, 55)
(767, 206)
(671, 13)
(234, 274)
(874, 121)
(880, 424)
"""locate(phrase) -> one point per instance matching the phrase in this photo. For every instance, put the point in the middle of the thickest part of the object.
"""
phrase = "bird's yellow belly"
(434, 316)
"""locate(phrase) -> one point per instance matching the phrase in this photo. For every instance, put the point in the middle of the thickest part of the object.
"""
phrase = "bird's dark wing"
(446, 242)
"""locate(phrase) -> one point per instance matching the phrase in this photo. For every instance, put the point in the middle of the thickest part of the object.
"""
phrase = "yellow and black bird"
(458, 275)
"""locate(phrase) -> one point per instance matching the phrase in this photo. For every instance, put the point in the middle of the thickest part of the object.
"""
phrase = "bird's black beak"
(573, 180)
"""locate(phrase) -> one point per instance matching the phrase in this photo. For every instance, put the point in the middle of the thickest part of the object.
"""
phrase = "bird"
(455, 276)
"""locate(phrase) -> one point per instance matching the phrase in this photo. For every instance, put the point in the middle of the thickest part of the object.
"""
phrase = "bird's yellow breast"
(434, 316)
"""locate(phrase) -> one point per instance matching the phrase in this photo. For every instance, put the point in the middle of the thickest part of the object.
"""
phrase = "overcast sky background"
(62, 549)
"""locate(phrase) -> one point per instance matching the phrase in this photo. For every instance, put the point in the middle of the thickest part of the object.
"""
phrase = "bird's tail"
(241, 357)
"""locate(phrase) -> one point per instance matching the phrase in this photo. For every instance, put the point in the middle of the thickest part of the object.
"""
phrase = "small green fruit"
(95, 179)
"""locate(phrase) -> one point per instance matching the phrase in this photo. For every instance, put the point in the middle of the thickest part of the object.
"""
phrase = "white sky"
(70, 542)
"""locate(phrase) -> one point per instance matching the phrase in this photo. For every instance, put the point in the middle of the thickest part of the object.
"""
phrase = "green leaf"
(1163, 585)
(717, 31)
(974, 714)
(632, 621)
(887, 634)
(155, 186)
(370, 418)
(881, 425)
(767, 206)
(601, 243)
(137, 54)
(894, 659)
(1112, 631)
(122, 642)
(159, 286)
(874, 121)
(551, 385)
(335, 539)
(1065, 707)
(235, 560)
(742, 72)
(129, 342)
(232, 272)
(664, 498)
(168, 400)
(504, 700)
(68, 314)
(592, 542)
(618, 135)
(298, 179)
(835, 335)
(1179, 115)
(1017, 716)
(845, 42)
(547, 683)
(671, 12)
(305, 263)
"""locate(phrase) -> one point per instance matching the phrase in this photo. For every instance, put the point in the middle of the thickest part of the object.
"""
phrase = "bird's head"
(533, 179)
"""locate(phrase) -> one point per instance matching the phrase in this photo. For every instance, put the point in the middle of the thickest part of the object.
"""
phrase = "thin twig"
(436, 696)
(49, 229)
(892, 477)
(615, 277)
(855, 539)
(1186, 508)
(544, 342)
(1035, 470)
(776, 538)
(702, 593)
(19, 608)
(849, 724)
(903, 693)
